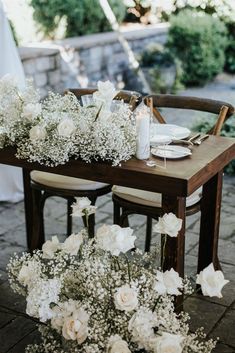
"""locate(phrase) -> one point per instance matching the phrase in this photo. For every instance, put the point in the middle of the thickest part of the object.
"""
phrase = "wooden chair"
(45, 185)
(129, 201)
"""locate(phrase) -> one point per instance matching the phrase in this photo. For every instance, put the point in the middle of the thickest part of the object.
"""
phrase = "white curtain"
(11, 183)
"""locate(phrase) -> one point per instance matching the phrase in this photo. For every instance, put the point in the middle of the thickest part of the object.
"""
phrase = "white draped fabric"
(11, 183)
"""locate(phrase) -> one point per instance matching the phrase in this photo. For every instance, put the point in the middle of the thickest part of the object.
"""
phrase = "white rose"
(211, 281)
(126, 298)
(117, 345)
(115, 239)
(75, 327)
(168, 282)
(141, 327)
(103, 97)
(82, 206)
(50, 247)
(31, 111)
(167, 343)
(106, 90)
(72, 244)
(66, 127)
(168, 224)
(37, 133)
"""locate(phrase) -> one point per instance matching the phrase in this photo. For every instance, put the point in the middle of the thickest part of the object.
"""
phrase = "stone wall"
(82, 61)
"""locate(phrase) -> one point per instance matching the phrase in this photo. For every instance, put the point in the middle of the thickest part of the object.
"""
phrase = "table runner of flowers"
(104, 295)
(59, 128)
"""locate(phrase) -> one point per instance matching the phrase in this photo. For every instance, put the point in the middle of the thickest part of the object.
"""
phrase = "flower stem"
(128, 269)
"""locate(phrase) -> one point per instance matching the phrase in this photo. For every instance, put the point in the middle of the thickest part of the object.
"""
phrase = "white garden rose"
(117, 345)
(75, 327)
(66, 127)
(141, 327)
(72, 244)
(168, 224)
(125, 298)
(115, 239)
(37, 133)
(50, 247)
(167, 343)
(82, 206)
(168, 282)
(211, 281)
(31, 111)
(106, 90)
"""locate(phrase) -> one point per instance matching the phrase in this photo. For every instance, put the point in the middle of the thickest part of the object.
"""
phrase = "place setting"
(162, 140)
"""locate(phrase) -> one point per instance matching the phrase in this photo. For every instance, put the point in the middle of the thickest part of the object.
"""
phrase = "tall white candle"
(143, 134)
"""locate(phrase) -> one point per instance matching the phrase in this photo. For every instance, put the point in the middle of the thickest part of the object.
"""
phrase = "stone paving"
(216, 315)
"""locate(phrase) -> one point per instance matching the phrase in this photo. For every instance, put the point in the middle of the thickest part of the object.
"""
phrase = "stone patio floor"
(217, 316)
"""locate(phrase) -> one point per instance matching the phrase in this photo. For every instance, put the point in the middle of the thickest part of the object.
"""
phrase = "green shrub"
(156, 55)
(222, 9)
(230, 50)
(199, 41)
(162, 70)
(228, 130)
(81, 16)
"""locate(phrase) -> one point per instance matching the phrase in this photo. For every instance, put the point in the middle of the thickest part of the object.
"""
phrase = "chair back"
(223, 109)
(131, 97)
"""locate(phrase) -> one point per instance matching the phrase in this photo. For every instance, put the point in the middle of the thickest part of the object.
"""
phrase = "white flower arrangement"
(59, 128)
(89, 298)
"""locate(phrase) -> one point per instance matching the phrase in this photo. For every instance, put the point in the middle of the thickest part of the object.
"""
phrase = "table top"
(180, 178)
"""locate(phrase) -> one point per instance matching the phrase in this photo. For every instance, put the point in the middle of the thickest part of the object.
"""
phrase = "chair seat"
(148, 198)
(64, 182)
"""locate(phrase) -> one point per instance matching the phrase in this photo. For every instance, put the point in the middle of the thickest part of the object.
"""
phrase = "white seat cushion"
(148, 198)
(64, 182)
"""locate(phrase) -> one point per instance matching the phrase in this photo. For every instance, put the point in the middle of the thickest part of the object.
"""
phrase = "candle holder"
(142, 133)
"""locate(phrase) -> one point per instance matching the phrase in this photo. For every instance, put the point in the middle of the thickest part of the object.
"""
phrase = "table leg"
(174, 247)
(28, 202)
(210, 221)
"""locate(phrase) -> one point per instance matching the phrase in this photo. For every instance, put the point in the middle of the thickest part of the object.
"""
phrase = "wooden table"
(179, 180)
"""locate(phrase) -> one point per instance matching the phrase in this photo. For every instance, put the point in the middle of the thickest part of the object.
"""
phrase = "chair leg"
(69, 216)
(124, 222)
(116, 213)
(210, 220)
(148, 234)
(38, 236)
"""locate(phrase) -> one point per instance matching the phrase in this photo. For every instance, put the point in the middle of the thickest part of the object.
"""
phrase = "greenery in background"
(228, 130)
(221, 9)
(199, 41)
(230, 50)
(156, 54)
(163, 70)
(81, 16)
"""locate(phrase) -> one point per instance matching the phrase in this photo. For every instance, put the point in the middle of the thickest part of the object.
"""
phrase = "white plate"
(171, 152)
(160, 140)
(174, 131)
